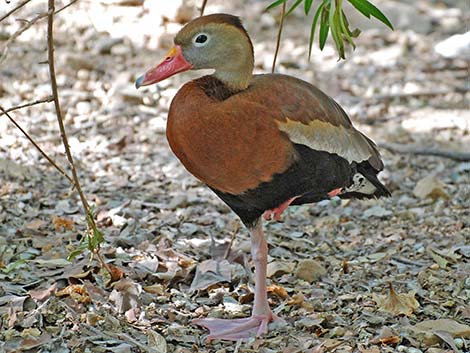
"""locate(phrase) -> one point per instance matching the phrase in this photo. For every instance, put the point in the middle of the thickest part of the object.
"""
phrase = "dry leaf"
(278, 291)
(426, 330)
(157, 341)
(42, 294)
(387, 337)
(77, 292)
(211, 272)
(278, 268)
(61, 223)
(397, 304)
(430, 187)
(35, 224)
(310, 270)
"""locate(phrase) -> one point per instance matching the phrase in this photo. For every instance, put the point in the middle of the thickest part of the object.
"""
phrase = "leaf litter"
(177, 253)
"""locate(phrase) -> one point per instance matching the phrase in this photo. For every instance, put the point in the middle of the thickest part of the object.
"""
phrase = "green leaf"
(368, 9)
(335, 26)
(312, 29)
(275, 4)
(345, 27)
(324, 28)
(293, 7)
(307, 6)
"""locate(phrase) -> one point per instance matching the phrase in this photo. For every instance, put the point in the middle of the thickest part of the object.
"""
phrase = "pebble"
(83, 108)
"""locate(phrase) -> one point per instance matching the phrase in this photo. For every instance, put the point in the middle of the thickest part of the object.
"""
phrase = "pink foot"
(335, 192)
(235, 329)
(278, 210)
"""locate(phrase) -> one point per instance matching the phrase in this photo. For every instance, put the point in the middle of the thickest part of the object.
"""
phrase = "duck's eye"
(200, 39)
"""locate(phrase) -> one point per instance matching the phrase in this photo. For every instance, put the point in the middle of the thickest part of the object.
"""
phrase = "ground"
(371, 276)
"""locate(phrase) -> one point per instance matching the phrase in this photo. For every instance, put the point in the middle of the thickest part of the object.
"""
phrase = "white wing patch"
(322, 136)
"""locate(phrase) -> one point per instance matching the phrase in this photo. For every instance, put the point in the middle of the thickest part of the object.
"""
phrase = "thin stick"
(28, 25)
(203, 7)
(395, 148)
(39, 101)
(278, 43)
(14, 9)
(50, 160)
(50, 55)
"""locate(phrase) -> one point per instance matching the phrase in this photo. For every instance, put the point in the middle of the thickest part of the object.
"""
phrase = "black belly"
(313, 175)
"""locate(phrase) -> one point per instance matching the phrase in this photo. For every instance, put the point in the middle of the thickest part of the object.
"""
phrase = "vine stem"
(92, 228)
(278, 42)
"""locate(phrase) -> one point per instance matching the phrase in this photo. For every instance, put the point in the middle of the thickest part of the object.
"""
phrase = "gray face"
(211, 47)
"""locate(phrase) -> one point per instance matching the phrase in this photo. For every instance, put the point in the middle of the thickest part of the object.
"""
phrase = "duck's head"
(217, 42)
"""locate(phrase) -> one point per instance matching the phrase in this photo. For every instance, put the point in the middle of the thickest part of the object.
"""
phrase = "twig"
(278, 42)
(14, 9)
(395, 148)
(39, 101)
(49, 159)
(203, 7)
(92, 228)
(27, 26)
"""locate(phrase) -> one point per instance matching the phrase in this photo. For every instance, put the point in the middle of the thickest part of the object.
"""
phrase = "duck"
(260, 142)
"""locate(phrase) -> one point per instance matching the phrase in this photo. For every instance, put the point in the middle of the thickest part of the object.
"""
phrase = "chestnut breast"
(231, 145)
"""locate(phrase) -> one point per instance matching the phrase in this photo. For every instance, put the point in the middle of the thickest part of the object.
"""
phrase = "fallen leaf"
(278, 268)
(387, 337)
(125, 295)
(42, 294)
(77, 292)
(35, 224)
(425, 331)
(397, 304)
(278, 291)
(211, 272)
(157, 341)
(63, 224)
(430, 187)
(310, 270)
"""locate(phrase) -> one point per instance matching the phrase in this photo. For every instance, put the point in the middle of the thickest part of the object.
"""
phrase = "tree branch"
(39, 101)
(400, 149)
(203, 7)
(27, 26)
(93, 232)
(50, 160)
(278, 42)
(14, 9)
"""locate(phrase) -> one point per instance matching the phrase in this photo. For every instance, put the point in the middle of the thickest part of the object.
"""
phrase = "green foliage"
(333, 20)
(93, 237)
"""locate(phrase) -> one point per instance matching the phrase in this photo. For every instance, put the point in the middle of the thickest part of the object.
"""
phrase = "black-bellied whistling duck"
(260, 142)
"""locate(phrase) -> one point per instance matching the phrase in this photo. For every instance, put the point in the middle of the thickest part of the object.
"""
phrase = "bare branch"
(278, 42)
(400, 149)
(39, 101)
(203, 7)
(93, 232)
(14, 9)
(50, 160)
(27, 26)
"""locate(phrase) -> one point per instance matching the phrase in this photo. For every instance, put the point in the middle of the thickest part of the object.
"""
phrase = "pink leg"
(278, 210)
(262, 315)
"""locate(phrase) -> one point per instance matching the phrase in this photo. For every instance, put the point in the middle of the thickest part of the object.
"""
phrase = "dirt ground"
(183, 253)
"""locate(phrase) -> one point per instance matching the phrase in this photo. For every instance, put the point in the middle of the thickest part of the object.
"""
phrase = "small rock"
(455, 47)
(105, 45)
(310, 270)
(377, 211)
(77, 62)
(83, 108)
(430, 187)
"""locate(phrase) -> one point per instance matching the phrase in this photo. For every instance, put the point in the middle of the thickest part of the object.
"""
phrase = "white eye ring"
(201, 39)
